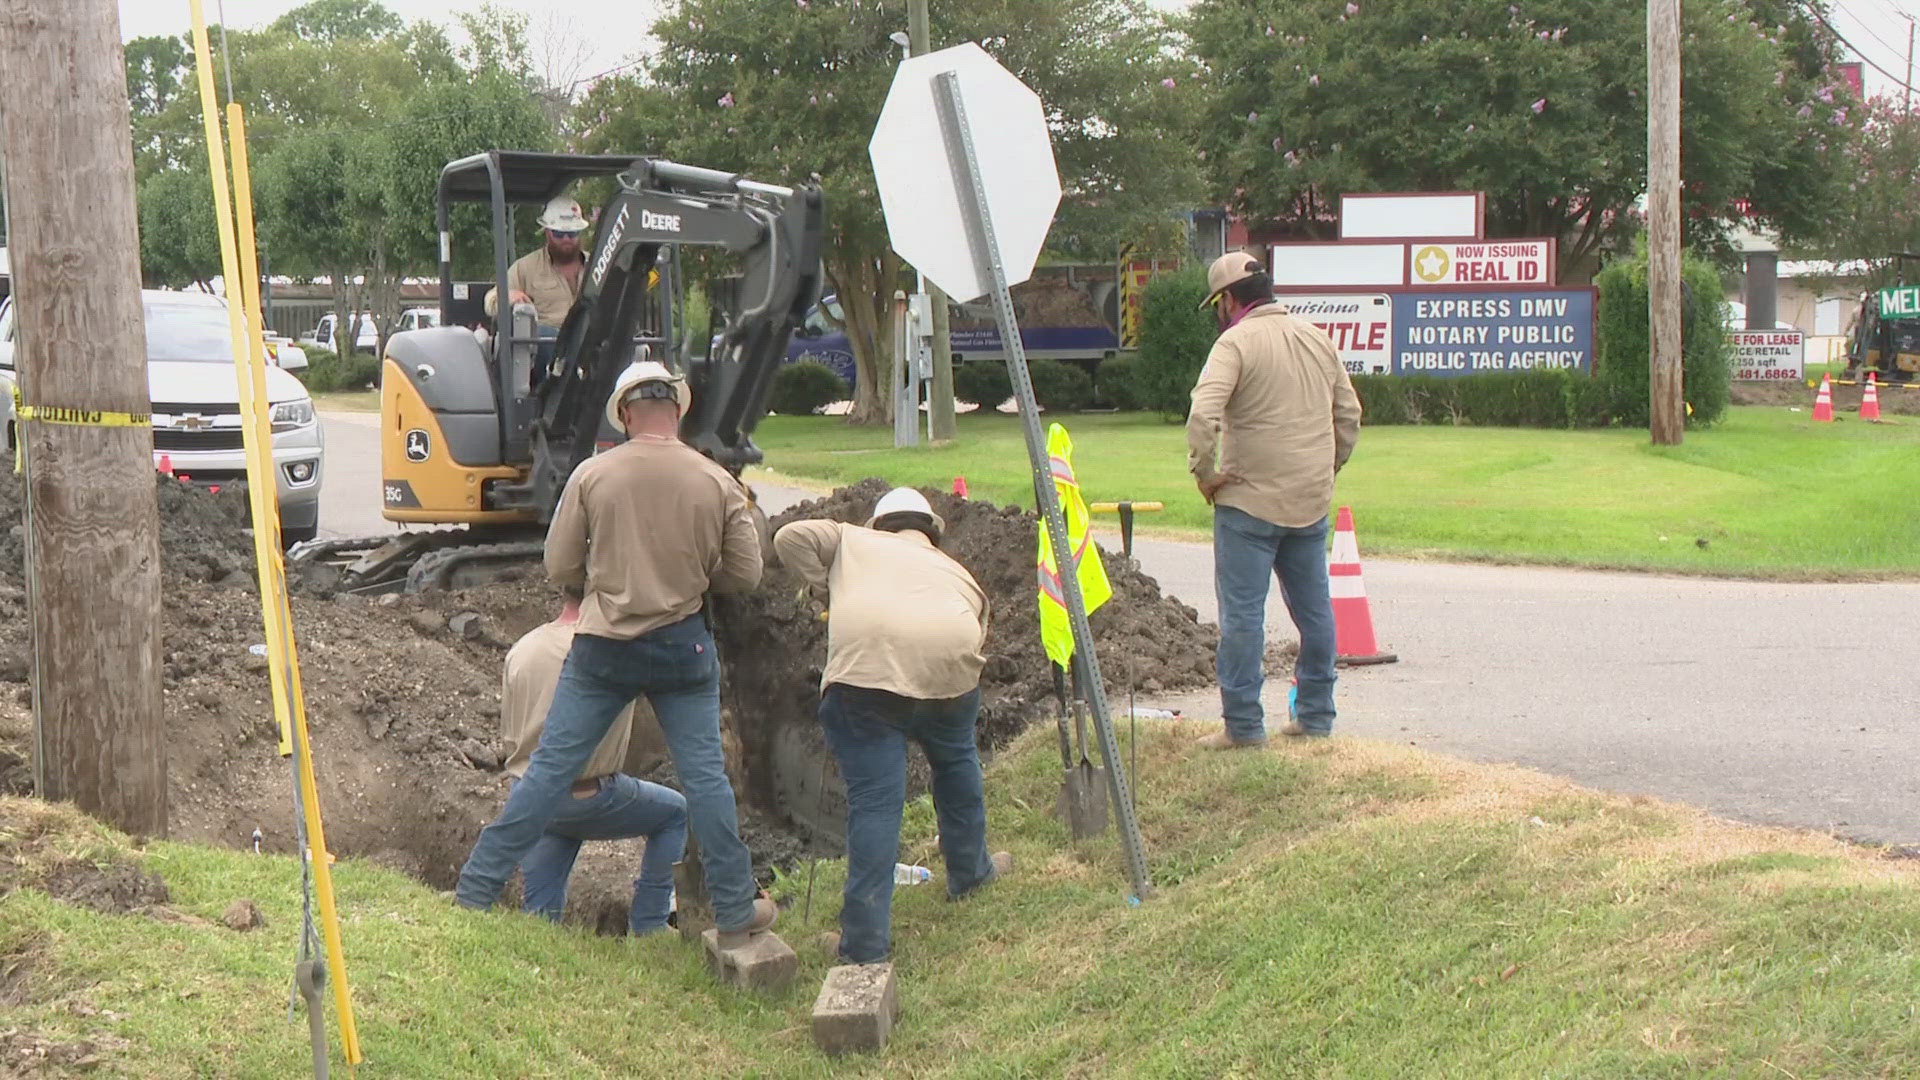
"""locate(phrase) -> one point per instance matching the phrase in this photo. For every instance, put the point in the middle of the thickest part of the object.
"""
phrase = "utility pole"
(940, 392)
(93, 552)
(1668, 411)
(1909, 89)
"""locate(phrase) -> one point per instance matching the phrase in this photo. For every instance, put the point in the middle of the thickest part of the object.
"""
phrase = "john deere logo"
(419, 445)
(1431, 264)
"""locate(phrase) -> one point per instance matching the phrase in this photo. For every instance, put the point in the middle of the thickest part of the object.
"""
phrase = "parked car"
(282, 351)
(323, 336)
(419, 318)
(196, 412)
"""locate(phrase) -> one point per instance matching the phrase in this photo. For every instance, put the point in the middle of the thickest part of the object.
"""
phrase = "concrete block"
(856, 1009)
(764, 963)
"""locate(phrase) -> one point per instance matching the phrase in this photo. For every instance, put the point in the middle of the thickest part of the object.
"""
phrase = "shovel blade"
(1083, 801)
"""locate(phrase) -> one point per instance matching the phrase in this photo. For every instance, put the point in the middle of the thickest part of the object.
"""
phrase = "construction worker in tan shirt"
(548, 277)
(605, 803)
(906, 630)
(644, 530)
(1274, 417)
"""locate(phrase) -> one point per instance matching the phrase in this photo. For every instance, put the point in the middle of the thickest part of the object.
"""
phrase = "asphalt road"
(1774, 703)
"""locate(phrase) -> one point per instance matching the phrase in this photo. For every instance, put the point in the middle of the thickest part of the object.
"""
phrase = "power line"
(1864, 58)
(1897, 51)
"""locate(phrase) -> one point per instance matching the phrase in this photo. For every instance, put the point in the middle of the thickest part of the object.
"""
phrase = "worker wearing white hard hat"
(643, 532)
(549, 276)
(906, 640)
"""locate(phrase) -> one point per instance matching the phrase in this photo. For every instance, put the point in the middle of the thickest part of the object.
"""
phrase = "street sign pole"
(986, 254)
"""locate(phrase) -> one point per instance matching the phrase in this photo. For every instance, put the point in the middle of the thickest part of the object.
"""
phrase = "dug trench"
(402, 692)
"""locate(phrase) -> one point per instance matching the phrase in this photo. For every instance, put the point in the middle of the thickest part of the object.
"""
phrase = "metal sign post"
(986, 254)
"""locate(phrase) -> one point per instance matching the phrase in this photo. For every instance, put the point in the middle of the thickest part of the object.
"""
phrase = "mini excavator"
(478, 434)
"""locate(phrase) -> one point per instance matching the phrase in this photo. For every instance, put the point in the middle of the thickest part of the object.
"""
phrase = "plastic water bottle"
(904, 874)
(1155, 714)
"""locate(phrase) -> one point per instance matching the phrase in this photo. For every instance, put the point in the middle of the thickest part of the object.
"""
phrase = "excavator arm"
(774, 232)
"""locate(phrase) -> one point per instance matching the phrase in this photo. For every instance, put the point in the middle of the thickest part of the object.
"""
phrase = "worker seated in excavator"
(549, 276)
(605, 803)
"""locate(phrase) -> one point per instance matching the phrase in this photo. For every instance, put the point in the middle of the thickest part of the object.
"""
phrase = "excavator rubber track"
(412, 561)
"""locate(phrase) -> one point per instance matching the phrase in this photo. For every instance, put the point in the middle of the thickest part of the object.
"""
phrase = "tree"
(1539, 103)
(179, 243)
(317, 198)
(159, 70)
(785, 90)
(1881, 211)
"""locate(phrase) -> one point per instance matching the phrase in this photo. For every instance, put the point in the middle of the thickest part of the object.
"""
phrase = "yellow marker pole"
(248, 351)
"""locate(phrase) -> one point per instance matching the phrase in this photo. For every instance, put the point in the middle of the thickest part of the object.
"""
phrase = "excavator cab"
(480, 432)
(1887, 341)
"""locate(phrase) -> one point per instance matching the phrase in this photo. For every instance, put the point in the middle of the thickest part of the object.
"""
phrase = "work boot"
(1220, 740)
(828, 942)
(1002, 863)
(1294, 730)
(764, 914)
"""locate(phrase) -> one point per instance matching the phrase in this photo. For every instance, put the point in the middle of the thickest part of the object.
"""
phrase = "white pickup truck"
(196, 410)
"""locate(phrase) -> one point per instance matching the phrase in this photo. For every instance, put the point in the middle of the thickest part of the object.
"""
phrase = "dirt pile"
(402, 693)
(1895, 400)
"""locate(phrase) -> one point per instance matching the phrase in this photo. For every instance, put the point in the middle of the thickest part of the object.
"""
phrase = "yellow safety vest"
(1056, 631)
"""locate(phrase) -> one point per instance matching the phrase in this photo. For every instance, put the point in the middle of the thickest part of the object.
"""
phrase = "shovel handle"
(1060, 694)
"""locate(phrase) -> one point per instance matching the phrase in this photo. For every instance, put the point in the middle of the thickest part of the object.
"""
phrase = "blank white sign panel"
(1371, 217)
(1339, 265)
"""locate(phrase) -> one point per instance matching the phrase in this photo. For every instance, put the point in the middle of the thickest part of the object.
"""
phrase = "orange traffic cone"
(1352, 621)
(1823, 401)
(1870, 401)
(166, 464)
(960, 486)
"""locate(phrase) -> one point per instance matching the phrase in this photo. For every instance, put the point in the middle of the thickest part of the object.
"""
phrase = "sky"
(583, 38)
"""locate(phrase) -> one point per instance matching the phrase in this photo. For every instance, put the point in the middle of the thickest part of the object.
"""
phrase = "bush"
(1113, 384)
(1553, 398)
(983, 382)
(1060, 387)
(1624, 343)
(1175, 336)
(329, 371)
(799, 389)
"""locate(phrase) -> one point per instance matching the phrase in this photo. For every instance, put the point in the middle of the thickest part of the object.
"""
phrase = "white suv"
(196, 411)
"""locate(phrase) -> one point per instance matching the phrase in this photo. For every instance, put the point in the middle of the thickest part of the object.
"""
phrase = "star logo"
(1432, 264)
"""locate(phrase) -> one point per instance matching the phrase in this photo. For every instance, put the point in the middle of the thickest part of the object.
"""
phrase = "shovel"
(1083, 786)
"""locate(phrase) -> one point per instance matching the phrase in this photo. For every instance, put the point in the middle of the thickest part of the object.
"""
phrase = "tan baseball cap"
(1229, 270)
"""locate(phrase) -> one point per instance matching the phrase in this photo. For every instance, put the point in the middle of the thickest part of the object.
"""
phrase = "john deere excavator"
(1886, 334)
(479, 436)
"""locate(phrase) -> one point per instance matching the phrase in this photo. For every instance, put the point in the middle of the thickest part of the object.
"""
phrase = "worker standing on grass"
(645, 530)
(906, 633)
(606, 804)
(1274, 417)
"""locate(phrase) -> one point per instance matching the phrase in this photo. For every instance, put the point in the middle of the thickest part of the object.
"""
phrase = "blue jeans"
(676, 668)
(1247, 552)
(868, 732)
(621, 809)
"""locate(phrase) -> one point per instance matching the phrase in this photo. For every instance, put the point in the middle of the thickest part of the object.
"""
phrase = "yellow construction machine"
(479, 434)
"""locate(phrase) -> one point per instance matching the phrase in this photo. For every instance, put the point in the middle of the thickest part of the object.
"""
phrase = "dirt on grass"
(404, 711)
(1894, 400)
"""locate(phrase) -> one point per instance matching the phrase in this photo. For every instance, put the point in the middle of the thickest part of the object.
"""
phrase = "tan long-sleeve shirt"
(645, 530)
(548, 285)
(531, 675)
(1276, 408)
(902, 615)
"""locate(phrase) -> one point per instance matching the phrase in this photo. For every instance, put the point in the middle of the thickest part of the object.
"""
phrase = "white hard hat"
(646, 371)
(563, 215)
(905, 500)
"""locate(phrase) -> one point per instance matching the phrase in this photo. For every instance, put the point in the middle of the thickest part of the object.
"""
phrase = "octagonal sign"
(917, 190)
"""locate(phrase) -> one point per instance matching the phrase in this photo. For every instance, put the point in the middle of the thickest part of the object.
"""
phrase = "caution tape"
(45, 414)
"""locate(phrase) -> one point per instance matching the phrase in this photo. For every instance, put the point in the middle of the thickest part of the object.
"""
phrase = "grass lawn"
(347, 401)
(1771, 493)
(1344, 909)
